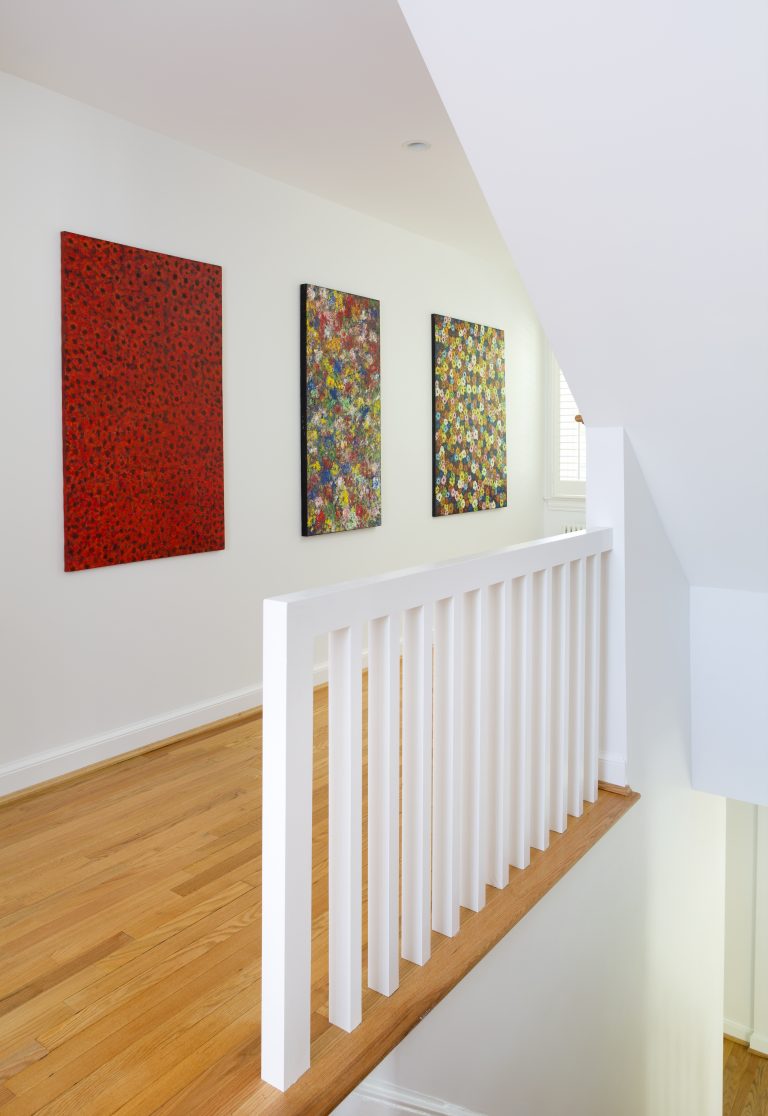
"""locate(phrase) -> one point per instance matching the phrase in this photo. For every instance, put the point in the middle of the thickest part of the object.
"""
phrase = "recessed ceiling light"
(417, 145)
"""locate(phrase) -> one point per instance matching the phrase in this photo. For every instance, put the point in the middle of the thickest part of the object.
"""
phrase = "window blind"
(573, 443)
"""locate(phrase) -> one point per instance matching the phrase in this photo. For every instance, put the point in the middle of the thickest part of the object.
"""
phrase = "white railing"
(501, 694)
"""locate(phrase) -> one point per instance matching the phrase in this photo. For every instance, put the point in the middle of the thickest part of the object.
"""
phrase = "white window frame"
(560, 495)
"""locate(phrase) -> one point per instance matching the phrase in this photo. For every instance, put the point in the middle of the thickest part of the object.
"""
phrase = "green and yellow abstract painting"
(340, 411)
(469, 417)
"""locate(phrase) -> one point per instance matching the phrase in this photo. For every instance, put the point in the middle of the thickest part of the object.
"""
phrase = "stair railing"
(500, 692)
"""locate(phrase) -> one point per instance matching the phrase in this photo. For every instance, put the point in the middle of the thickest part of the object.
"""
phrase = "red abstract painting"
(141, 404)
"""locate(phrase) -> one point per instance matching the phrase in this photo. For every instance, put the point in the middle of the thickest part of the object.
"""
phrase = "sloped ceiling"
(321, 95)
(623, 150)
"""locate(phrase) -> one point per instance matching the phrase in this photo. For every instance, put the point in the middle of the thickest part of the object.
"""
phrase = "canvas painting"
(469, 417)
(141, 404)
(340, 411)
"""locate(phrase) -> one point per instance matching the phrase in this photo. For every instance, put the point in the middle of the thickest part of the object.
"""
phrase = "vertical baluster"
(592, 685)
(540, 759)
(286, 849)
(558, 804)
(472, 843)
(576, 696)
(521, 680)
(383, 804)
(417, 781)
(446, 770)
(345, 828)
(497, 675)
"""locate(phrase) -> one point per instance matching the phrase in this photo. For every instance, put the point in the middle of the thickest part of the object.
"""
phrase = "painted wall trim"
(759, 1043)
(42, 766)
(50, 764)
(612, 768)
(384, 1099)
(734, 1030)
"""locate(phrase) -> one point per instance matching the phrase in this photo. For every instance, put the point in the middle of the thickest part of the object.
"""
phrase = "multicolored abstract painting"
(141, 404)
(340, 411)
(469, 413)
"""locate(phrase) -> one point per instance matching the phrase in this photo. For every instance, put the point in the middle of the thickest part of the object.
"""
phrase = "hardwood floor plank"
(738, 1058)
(58, 974)
(172, 1009)
(200, 1082)
(220, 870)
(146, 810)
(104, 1091)
(756, 1103)
(70, 932)
(14, 1063)
(745, 1081)
(24, 1023)
(178, 915)
(135, 957)
(160, 970)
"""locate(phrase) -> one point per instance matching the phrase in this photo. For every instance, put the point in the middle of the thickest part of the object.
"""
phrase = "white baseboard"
(380, 1098)
(734, 1030)
(759, 1043)
(739, 1031)
(612, 769)
(41, 766)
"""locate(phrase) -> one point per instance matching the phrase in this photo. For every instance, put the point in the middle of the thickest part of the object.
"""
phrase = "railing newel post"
(286, 847)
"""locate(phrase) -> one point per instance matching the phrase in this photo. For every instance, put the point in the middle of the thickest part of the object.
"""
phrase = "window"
(573, 447)
(566, 471)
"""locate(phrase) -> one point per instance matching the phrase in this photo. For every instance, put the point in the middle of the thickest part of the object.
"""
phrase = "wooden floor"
(745, 1081)
(130, 939)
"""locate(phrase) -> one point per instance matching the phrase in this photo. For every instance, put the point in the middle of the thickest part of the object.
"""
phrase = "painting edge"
(305, 531)
(436, 514)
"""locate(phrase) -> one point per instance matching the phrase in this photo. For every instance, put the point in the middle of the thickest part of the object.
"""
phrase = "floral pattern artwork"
(469, 411)
(142, 409)
(341, 411)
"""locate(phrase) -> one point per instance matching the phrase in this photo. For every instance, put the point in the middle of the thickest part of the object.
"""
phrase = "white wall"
(741, 835)
(86, 654)
(729, 692)
(607, 997)
(746, 925)
(634, 207)
(557, 519)
(759, 1039)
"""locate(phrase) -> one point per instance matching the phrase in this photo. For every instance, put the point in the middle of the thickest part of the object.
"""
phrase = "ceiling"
(623, 149)
(319, 95)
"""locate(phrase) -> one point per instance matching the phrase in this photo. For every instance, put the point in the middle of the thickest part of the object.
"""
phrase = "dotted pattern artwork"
(469, 417)
(340, 411)
(141, 404)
